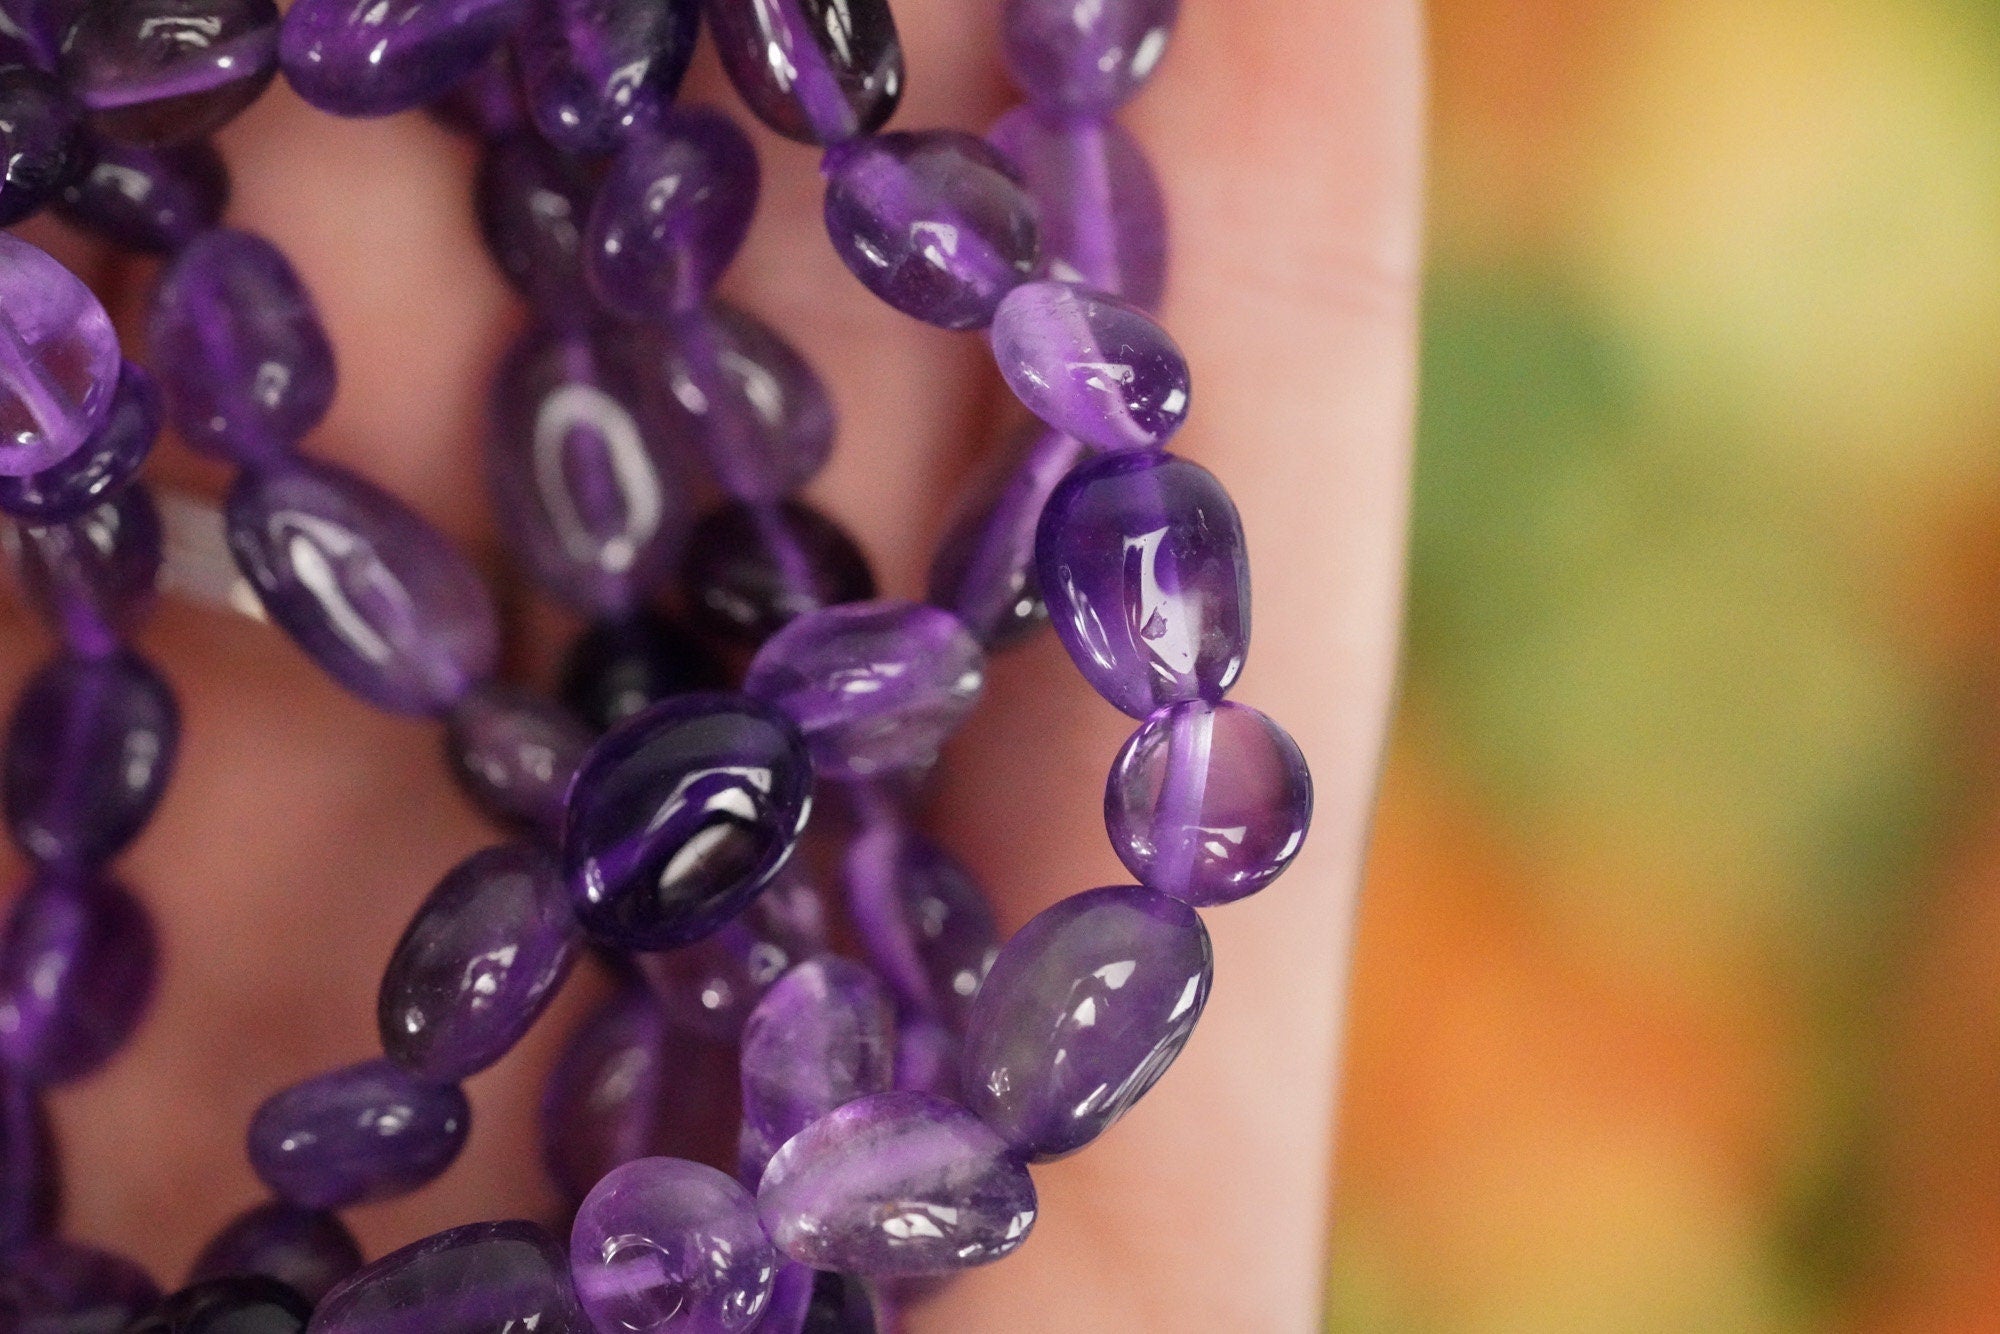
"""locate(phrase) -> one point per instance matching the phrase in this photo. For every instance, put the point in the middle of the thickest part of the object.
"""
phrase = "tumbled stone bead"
(241, 1304)
(374, 594)
(307, 1250)
(933, 222)
(1104, 224)
(1091, 365)
(485, 104)
(63, 1287)
(378, 57)
(514, 753)
(618, 667)
(819, 71)
(680, 815)
(77, 968)
(665, 1246)
(927, 1058)
(239, 348)
(80, 483)
(361, 1133)
(485, 1278)
(89, 751)
(751, 569)
(1085, 57)
(153, 200)
(759, 412)
(58, 360)
(38, 140)
(1084, 1010)
(984, 571)
(896, 1184)
(823, 1036)
(923, 919)
(30, 1173)
(532, 203)
(670, 214)
(1142, 560)
(596, 71)
(93, 578)
(154, 72)
(480, 961)
(710, 987)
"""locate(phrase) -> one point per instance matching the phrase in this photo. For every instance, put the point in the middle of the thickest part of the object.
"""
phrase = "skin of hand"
(302, 828)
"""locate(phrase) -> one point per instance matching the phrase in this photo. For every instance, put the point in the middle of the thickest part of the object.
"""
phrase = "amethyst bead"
(487, 1278)
(58, 360)
(922, 916)
(358, 1134)
(750, 569)
(153, 200)
(1091, 365)
(822, 1037)
(154, 72)
(759, 412)
(596, 71)
(1085, 57)
(1104, 224)
(819, 71)
(532, 203)
(710, 987)
(77, 967)
(485, 104)
(241, 1304)
(618, 667)
(927, 1058)
(30, 1175)
(514, 753)
(984, 572)
(307, 1250)
(86, 479)
(38, 140)
(932, 222)
(61, 1287)
(93, 578)
(378, 57)
(665, 1246)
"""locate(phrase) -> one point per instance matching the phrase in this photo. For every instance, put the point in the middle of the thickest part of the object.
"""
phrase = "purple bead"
(664, 1246)
(1085, 57)
(932, 222)
(710, 987)
(751, 569)
(87, 478)
(596, 71)
(984, 572)
(370, 591)
(31, 30)
(239, 348)
(1142, 560)
(1084, 1010)
(1103, 222)
(760, 413)
(240, 1304)
(922, 916)
(308, 1250)
(361, 1133)
(89, 751)
(154, 72)
(487, 1278)
(532, 203)
(93, 578)
(378, 57)
(680, 815)
(485, 104)
(822, 1037)
(618, 667)
(61, 1287)
(153, 200)
(791, 1298)
(514, 752)
(1091, 365)
(897, 1184)
(927, 1058)
(875, 686)
(670, 214)
(77, 967)
(30, 1174)
(819, 71)
(38, 140)
(58, 360)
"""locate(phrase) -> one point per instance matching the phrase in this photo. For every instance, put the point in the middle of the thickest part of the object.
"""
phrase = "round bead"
(823, 1036)
(750, 569)
(1091, 365)
(77, 967)
(514, 753)
(38, 140)
(1104, 224)
(486, 1278)
(86, 479)
(153, 200)
(819, 71)
(61, 1287)
(30, 1175)
(93, 578)
(932, 222)
(154, 72)
(596, 71)
(59, 360)
(1141, 558)
(618, 667)
(361, 1133)
(759, 412)
(1085, 57)
(308, 1250)
(243, 1304)
(710, 987)
(984, 572)
(532, 203)
(378, 57)
(664, 1246)
(922, 917)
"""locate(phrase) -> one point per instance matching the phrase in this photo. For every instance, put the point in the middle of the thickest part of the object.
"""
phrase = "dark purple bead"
(87, 478)
(1085, 57)
(532, 203)
(307, 1250)
(664, 1246)
(485, 104)
(922, 917)
(58, 360)
(933, 222)
(31, 30)
(241, 1304)
(761, 415)
(897, 1184)
(750, 569)
(93, 578)
(153, 200)
(822, 1037)
(596, 71)
(927, 1058)
(1091, 365)
(77, 967)
(618, 667)
(89, 751)
(378, 57)
(514, 752)
(30, 1173)
(710, 987)
(361, 1133)
(984, 572)
(819, 71)
(1103, 222)
(680, 815)
(154, 72)
(368, 589)
(61, 1287)
(38, 140)
(486, 1278)
(1142, 560)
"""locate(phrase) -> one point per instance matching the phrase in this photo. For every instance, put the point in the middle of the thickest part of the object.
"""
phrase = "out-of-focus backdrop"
(1678, 999)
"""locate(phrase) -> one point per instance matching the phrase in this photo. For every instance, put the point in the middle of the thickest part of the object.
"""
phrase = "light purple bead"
(665, 1246)
(875, 686)
(62, 1287)
(822, 1037)
(515, 752)
(1091, 365)
(30, 1175)
(86, 479)
(156, 72)
(1142, 560)
(532, 203)
(308, 1250)
(984, 572)
(819, 71)
(1085, 57)
(595, 71)
(485, 1278)
(77, 967)
(933, 222)
(93, 578)
(59, 360)
(369, 590)
(153, 200)
(710, 987)
(927, 1058)
(378, 57)
(922, 917)
(897, 1184)
(1104, 224)
(761, 415)
(358, 1134)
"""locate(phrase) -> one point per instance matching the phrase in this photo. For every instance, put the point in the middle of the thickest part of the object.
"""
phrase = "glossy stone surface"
(823, 1036)
(597, 71)
(618, 667)
(921, 915)
(378, 57)
(532, 203)
(896, 1184)
(93, 578)
(758, 411)
(1086, 1007)
(375, 595)
(59, 360)
(308, 1250)
(1141, 557)
(77, 969)
(751, 569)
(984, 570)
(819, 71)
(63, 1287)
(155, 72)
(710, 987)
(153, 200)
(1085, 57)
(933, 222)
(38, 140)
(666, 1246)
(241, 1304)
(1091, 365)
(485, 1278)
(1103, 222)
(361, 1133)
(30, 1169)
(670, 214)
(514, 752)
(107, 461)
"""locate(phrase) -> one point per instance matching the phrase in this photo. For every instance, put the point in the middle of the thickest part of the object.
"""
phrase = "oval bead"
(596, 71)
(664, 1246)
(876, 687)
(533, 203)
(618, 667)
(30, 1174)
(896, 1184)
(514, 753)
(59, 360)
(374, 594)
(93, 578)
(61, 1287)
(479, 1279)
(932, 222)
(378, 57)
(1084, 1010)
(243, 1304)
(751, 569)
(77, 969)
(1142, 559)
(1091, 365)
(156, 72)
(710, 987)
(38, 140)
(984, 571)
(823, 1036)
(819, 71)
(107, 461)
(361, 1133)
(1085, 57)
(922, 917)
(759, 412)
(307, 1250)
(152, 200)
(1104, 224)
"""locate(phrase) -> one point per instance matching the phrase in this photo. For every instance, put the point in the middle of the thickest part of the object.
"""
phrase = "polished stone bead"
(819, 71)
(89, 751)
(308, 1250)
(62, 1287)
(368, 589)
(77, 968)
(86, 479)
(823, 1036)
(242, 1304)
(1084, 1010)
(933, 222)
(38, 140)
(378, 57)
(896, 1184)
(665, 1246)
(759, 412)
(239, 348)
(153, 200)
(1104, 224)
(30, 1171)
(532, 203)
(597, 71)
(750, 569)
(680, 815)
(1142, 560)
(1091, 365)
(927, 1058)
(485, 1278)
(155, 72)
(485, 104)
(618, 667)
(670, 214)
(984, 571)
(710, 987)
(58, 360)
(361, 1133)
(94, 577)
(922, 917)
(514, 752)
(1085, 57)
